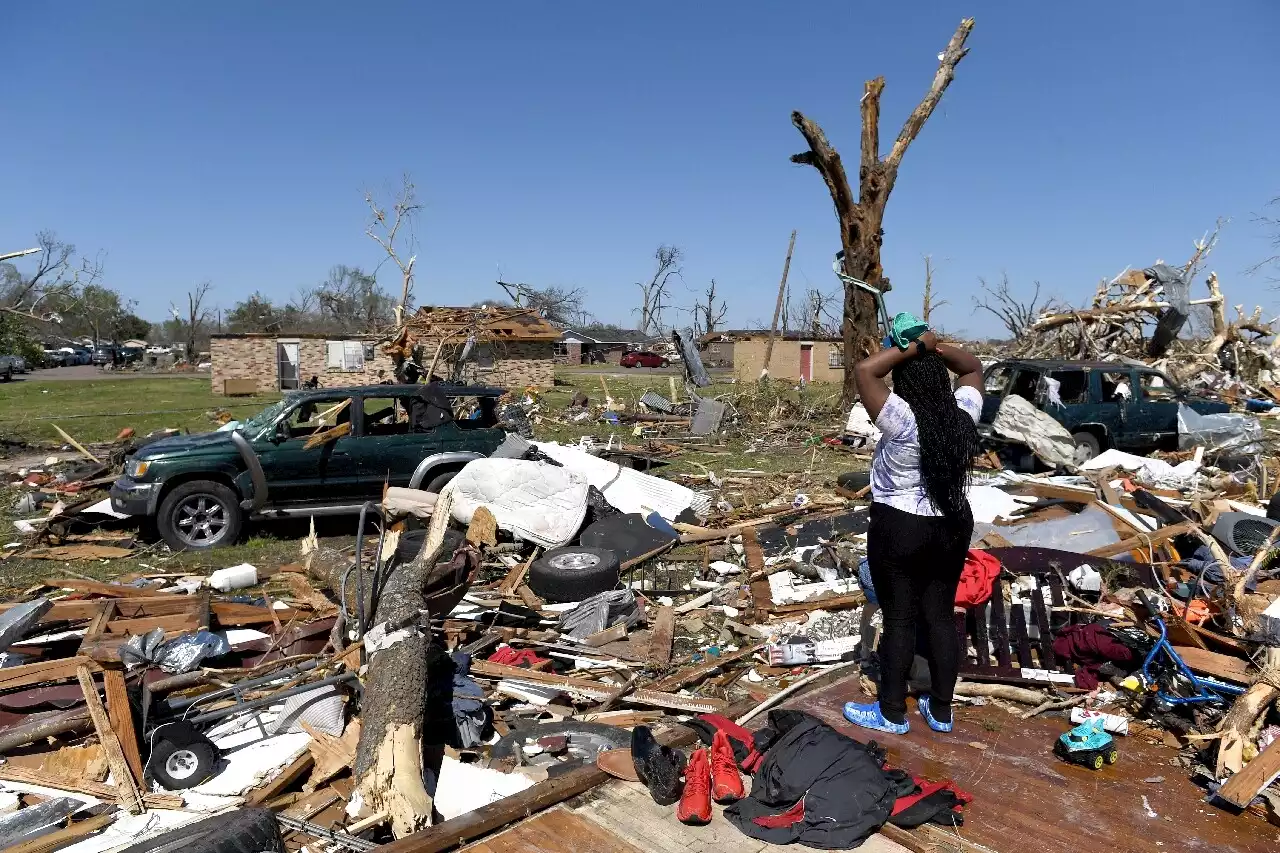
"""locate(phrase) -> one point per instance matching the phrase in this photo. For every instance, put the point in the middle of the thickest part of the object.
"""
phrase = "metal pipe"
(345, 839)
(250, 704)
(182, 704)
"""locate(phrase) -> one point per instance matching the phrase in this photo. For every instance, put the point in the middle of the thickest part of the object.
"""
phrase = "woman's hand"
(930, 341)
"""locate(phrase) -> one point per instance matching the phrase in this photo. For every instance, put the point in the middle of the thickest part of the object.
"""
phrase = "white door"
(287, 360)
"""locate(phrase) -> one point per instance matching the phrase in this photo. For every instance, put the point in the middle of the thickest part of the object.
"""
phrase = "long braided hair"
(948, 437)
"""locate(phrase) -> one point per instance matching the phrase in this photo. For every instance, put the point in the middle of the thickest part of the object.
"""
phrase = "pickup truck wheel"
(439, 481)
(199, 515)
(1087, 446)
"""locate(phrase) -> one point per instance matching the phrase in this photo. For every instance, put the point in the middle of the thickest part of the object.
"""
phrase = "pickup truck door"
(1115, 401)
(324, 474)
(1155, 418)
(391, 448)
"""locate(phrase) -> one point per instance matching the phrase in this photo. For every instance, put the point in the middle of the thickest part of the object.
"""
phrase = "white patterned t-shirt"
(895, 468)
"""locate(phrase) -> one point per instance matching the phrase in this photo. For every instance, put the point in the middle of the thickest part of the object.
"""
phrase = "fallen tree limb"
(1245, 711)
(1000, 691)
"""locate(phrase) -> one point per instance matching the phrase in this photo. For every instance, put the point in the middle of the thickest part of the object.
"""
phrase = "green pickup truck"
(199, 489)
(1103, 404)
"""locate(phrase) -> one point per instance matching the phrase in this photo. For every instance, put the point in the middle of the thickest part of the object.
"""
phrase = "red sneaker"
(695, 802)
(726, 784)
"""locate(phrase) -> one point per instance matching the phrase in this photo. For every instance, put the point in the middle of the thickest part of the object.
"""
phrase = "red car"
(643, 359)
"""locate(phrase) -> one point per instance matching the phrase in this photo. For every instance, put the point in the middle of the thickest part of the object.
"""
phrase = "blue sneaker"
(923, 704)
(869, 717)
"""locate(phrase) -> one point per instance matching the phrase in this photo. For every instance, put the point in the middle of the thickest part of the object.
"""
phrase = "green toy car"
(1088, 745)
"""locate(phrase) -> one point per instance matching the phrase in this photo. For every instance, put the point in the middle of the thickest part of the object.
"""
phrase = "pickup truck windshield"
(265, 417)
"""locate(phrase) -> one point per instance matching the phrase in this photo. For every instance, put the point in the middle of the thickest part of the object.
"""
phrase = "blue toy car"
(1088, 744)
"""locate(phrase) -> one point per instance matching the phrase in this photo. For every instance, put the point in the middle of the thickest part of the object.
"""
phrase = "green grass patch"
(97, 409)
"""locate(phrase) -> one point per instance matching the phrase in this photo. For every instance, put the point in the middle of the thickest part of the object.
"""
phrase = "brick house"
(510, 348)
(578, 347)
(795, 356)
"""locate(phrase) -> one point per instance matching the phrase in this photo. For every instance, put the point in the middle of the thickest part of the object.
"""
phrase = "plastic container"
(234, 577)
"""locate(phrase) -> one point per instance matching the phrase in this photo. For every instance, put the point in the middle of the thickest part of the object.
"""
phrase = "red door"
(806, 362)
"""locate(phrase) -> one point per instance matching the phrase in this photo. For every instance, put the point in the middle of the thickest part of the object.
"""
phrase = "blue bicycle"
(1163, 671)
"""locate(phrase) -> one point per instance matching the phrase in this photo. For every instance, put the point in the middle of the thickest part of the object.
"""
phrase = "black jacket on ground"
(816, 787)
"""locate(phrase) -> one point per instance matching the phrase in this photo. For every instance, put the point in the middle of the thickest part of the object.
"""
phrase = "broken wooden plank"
(1143, 541)
(120, 712)
(287, 777)
(516, 576)
(761, 594)
(112, 590)
(1241, 788)
(1224, 667)
(332, 754)
(663, 636)
(65, 836)
(457, 831)
(126, 784)
(35, 673)
(596, 690)
(101, 790)
(697, 673)
(135, 627)
(830, 602)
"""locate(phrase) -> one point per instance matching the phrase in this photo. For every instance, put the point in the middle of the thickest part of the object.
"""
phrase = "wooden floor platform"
(1027, 799)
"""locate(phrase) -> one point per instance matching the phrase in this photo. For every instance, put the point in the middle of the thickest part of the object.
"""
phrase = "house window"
(346, 356)
(835, 356)
(562, 349)
(484, 357)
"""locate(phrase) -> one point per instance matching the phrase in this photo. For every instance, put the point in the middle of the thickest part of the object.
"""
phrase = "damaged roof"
(516, 324)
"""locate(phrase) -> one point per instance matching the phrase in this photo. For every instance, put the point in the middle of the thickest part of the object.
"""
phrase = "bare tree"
(561, 305)
(393, 230)
(196, 318)
(930, 305)
(861, 231)
(655, 295)
(54, 285)
(707, 316)
(1272, 225)
(1016, 315)
(352, 301)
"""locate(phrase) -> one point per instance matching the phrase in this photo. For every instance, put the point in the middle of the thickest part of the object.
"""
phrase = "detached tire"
(574, 573)
(199, 515)
(178, 767)
(245, 830)
(1087, 446)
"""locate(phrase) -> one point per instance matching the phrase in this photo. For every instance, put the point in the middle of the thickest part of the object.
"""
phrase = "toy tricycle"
(1088, 745)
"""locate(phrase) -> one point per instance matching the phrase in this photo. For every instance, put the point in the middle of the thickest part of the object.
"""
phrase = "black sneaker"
(659, 767)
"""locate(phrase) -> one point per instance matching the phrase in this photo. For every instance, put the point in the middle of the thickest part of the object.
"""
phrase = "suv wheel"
(574, 573)
(1087, 447)
(198, 515)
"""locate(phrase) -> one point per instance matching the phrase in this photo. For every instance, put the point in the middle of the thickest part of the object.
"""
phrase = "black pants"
(916, 561)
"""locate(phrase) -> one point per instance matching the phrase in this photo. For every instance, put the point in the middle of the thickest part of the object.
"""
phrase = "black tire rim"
(182, 765)
(1083, 453)
(200, 520)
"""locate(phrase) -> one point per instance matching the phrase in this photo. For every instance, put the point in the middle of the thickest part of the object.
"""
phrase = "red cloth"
(510, 657)
(981, 569)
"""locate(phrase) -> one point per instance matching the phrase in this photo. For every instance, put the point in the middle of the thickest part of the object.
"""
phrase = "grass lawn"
(96, 410)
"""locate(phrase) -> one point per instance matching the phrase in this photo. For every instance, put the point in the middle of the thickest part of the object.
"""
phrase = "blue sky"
(562, 142)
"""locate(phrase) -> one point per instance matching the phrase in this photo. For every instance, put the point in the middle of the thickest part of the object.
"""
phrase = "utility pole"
(777, 309)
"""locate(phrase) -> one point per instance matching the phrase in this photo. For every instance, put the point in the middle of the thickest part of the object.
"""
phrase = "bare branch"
(1017, 316)
(947, 62)
(385, 229)
(655, 296)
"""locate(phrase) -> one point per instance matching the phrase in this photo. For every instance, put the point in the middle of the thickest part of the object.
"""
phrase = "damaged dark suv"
(322, 452)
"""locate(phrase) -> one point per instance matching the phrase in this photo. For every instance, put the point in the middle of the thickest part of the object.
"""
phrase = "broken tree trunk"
(1244, 712)
(389, 760)
(860, 220)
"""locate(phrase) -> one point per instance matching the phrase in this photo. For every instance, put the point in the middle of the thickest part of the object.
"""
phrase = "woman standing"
(920, 518)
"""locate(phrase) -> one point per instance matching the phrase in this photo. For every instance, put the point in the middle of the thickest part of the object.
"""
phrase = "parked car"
(200, 489)
(1103, 404)
(20, 364)
(643, 359)
(7, 367)
(104, 355)
(55, 358)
